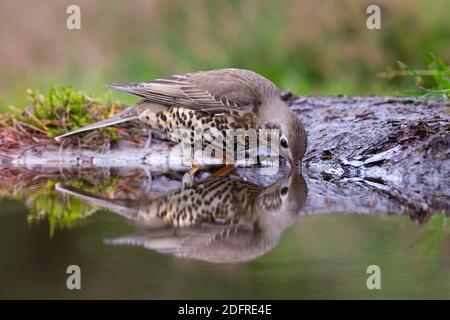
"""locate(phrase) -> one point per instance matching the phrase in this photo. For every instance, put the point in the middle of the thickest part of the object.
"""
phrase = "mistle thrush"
(218, 219)
(219, 99)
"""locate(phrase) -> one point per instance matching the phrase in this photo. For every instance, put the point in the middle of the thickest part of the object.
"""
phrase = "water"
(320, 255)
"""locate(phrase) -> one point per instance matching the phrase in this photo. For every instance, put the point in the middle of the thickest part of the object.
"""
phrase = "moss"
(61, 109)
(64, 108)
(60, 211)
(38, 192)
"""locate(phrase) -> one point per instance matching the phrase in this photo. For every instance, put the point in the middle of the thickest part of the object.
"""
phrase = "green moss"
(62, 109)
(62, 212)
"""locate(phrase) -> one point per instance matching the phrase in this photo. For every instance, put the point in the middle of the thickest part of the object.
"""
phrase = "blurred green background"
(311, 47)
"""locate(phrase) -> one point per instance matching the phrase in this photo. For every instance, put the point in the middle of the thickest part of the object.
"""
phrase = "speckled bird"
(222, 99)
(219, 219)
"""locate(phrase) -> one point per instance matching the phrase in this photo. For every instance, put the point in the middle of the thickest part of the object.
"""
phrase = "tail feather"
(100, 124)
(130, 88)
(122, 210)
(128, 209)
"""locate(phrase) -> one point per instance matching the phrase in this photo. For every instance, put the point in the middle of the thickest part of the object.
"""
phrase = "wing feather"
(212, 91)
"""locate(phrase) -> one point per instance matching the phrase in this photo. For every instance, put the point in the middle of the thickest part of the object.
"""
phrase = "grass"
(430, 83)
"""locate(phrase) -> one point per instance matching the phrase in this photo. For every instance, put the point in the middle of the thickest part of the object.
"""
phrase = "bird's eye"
(284, 143)
(284, 191)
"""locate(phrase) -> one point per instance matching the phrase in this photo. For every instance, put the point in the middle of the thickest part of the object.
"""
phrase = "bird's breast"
(176, 122)
(230, 202)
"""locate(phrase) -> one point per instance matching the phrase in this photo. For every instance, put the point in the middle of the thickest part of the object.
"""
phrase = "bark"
(388, 154)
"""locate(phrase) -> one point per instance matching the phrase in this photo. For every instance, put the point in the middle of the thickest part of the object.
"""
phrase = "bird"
(216, 100)
(217, 219)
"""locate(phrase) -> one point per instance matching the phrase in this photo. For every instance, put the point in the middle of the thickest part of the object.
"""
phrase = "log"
(394, 151)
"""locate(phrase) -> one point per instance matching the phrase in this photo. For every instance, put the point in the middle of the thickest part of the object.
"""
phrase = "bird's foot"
(223, 170)
(189, 177)
(195, 167)
(148, 142)
(229, 165)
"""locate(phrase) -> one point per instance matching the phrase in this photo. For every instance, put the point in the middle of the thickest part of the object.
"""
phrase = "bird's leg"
(195, 167)
(148, 142)
(221, 171)
(188, 180)
(147, 181)
(229, 165)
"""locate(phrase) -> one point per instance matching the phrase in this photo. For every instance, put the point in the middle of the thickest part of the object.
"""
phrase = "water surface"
(322, 255)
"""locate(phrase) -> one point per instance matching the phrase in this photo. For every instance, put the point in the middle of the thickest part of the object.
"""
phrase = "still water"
(231, 237)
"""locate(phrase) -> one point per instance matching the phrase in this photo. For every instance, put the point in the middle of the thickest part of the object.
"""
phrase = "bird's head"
(293, 140)
(284, 199)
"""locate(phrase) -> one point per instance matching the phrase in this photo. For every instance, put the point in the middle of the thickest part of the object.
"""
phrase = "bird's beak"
(286, 158)
(295, 164)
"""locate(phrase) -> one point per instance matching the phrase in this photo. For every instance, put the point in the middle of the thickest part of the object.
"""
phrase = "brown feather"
(212, 91)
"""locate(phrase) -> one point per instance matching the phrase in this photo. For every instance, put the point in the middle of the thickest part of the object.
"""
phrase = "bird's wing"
(211, 91)
(211, 243)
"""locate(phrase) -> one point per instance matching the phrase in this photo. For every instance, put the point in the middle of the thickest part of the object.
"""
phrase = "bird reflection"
(219, 219)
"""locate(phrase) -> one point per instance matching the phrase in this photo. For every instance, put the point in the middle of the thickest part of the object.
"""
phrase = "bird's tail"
(122, 210)
(130, 210)
(100, 124)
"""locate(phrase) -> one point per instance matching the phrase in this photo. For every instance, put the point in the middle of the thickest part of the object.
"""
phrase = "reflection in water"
(346, 230)
(219, 219)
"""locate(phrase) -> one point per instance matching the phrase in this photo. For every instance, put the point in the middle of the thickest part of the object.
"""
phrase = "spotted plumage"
(218, 99)
(216, 199)
(227, 199)
(218, 219)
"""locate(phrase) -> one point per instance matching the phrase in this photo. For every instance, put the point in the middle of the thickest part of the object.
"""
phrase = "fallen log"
(397, 147)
